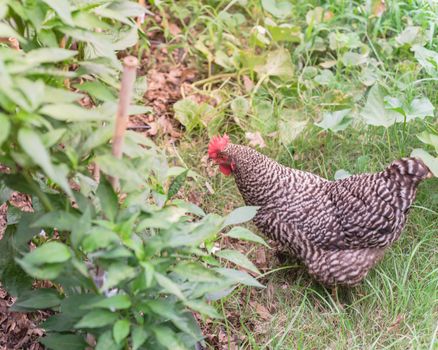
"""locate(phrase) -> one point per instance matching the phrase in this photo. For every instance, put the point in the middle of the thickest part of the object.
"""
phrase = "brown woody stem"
(130, 64)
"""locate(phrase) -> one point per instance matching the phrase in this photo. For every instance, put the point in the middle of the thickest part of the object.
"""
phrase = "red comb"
(217, 144)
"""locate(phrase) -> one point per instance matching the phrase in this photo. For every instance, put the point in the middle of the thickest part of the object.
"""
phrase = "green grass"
(396, 306)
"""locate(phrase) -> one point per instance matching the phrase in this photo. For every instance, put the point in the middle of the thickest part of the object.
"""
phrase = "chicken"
(338, 229)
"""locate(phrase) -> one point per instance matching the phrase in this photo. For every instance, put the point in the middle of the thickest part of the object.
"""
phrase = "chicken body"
(338, 229)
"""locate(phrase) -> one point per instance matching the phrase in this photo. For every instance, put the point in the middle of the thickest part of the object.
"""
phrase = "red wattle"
(225, 169)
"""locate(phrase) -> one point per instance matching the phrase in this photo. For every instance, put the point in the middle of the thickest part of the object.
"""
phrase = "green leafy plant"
(128, 269)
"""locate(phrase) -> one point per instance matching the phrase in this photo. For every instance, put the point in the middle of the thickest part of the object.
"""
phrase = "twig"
(130, 64)
(140, 21)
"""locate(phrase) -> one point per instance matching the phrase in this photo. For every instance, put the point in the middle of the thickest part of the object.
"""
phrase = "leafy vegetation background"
(335, 88)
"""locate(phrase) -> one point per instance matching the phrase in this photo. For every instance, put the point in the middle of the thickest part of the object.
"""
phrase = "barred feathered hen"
(338, 229)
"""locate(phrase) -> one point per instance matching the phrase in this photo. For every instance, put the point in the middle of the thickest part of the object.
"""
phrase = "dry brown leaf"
(400, 318)
(167, 128)
(255, 139)
(209, 188)
(263, 311)
(328, 15)
(328, 64)
(174, 29)
(261, 257)
(378, 7)
(247, 83)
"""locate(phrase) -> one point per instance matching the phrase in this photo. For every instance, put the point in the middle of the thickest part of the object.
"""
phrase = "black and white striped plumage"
(338, 229)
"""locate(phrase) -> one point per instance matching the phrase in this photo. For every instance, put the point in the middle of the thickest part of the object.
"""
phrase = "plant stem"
(129, 72)
(389, 138)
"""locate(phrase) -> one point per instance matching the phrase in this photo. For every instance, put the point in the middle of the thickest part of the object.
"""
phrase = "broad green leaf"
(60, 220)
(49, 55)
(138, 336)
(193, 115)
(240, 107)
(32, 90)
(169, 286)
(59, 323)
(335, 121)
(279, 64)
(189, 207)
(245, 235)
(238, 259)
(219, 293)
(73, 113)
(56, 341)
(409, 36)
(70, 305)
(235, 276)
(118, 273)
(120, 168)
(195, 272)
(98, 138)
(162, 219)
(83, 225)
(98, 237)
(32, 144)
(42, 272)
(106, 12)
(203, 308)
(428, 59)
(14, 279)
(52, 137)
(5, 126)
(351, 59)
(374, 111)
(315, 16)
(97, 90)
(177, 183)
(106, 342)
(116, 302)
(129, 8)
(57, 95)
(263, 119)
(291, 124)
(42, 298)
(430, 161)
(6, 31)
(206, 229)
(108, 199)
(339, 40)
(167, 338)
(121, 330)
(140, 87)
(429, 139)
(278, 8)
(126, 39)
(284, 32)
(368, 76)
(419, 108)
(48, 253)
(325, 78)
(62, 8)
(97, 319)
(240, 215)
(98, 44)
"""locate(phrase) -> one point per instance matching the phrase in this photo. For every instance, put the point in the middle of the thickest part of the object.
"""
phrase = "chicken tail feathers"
(413, 167)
